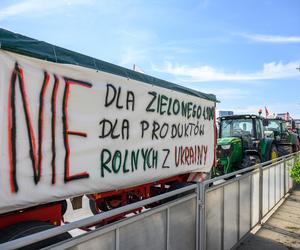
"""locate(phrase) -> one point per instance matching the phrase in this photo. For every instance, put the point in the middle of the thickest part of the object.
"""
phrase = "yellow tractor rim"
(273, 155)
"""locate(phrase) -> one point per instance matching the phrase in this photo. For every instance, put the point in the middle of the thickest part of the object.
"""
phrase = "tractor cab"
(297, 126)
(277, 128)
(248, 128)
(282, 131)
(242, 143)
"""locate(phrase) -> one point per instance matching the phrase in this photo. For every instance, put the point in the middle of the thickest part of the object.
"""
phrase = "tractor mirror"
(293, 125)
(265, 122)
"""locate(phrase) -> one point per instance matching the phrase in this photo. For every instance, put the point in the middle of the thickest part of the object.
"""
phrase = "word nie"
(36, 146)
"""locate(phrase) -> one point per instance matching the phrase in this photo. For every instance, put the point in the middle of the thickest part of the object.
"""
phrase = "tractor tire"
(284, 150)
(250, 160)
(273, 154)
(98, 207)
(175, 186)
(22, 229)
(296, 148)
(64, 207)
(102, 206)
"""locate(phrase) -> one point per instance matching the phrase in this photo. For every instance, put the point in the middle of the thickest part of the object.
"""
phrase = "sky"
(245, 52)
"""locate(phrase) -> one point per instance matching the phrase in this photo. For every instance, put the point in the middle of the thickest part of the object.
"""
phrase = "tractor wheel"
(216, 172)
(296, 148)
(284, 150)
(273, 153)
(176, 186)
(97, 207)
(250, 160)
(22, 229)
(256, 159)
(104, 205)
(64, 207)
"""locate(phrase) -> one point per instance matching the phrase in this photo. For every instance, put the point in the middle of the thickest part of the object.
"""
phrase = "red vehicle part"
(144, 189)
(50, 213)
(101, 202)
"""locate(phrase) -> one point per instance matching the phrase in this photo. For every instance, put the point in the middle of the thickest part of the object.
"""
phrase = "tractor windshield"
(273, 125)
(237, 127)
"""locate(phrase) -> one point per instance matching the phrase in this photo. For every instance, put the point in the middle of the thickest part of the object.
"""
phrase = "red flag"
(267, 112)
(287, 116)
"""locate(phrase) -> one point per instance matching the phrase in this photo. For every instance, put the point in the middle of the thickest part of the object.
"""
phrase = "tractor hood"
(228, 140)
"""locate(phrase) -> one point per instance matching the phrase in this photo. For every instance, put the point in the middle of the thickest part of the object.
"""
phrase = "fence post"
(260, 193)
(202, 219)
(198, 218)
(284, 175)
(296, 159)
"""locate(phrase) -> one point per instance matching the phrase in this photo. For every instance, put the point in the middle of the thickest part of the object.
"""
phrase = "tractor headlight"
(224, 151)
(226, 147)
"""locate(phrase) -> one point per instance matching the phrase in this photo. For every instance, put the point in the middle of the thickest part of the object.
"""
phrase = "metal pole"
(260, 194)
(117, 232)
(238, 210)
(276, 180)
(198, 229)
(168, 228)
(275, 184)
(202, 220)
(222, 217)
(284, 175)
(269, 190)
(251, 197)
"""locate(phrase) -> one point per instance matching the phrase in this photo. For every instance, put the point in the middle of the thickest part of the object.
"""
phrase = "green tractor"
(297, 127)
(281, 131)
(242, 143)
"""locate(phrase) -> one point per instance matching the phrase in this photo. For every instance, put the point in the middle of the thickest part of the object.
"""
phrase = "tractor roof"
(247, 116)
(275, 119)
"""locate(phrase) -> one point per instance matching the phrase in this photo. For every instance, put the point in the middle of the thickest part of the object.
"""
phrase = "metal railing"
(203, 215)
(157, 224)
(233, 208)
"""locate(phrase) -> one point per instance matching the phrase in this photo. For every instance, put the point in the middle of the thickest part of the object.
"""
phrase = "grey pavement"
(281, 230)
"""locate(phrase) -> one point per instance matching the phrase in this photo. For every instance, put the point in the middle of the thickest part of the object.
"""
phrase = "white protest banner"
(68, 130)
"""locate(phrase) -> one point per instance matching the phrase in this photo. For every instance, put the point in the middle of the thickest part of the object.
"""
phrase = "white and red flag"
(267, 112)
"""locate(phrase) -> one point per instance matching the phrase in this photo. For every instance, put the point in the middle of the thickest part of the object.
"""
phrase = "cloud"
(206, 73)
(132, 56)
(272, 38)
(136, 54)
(252, 109)
(227, 93)
(34, 6)
(273, 108)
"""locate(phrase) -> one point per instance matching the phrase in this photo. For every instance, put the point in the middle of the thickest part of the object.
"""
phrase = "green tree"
(295, 171)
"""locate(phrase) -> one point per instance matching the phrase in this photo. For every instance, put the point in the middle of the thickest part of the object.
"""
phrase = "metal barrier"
(173, 225)
(201, 216)
(233, 208)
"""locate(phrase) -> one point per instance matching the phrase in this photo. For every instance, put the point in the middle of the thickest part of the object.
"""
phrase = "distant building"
(225, 113)
(285, 116)
(297, 123)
